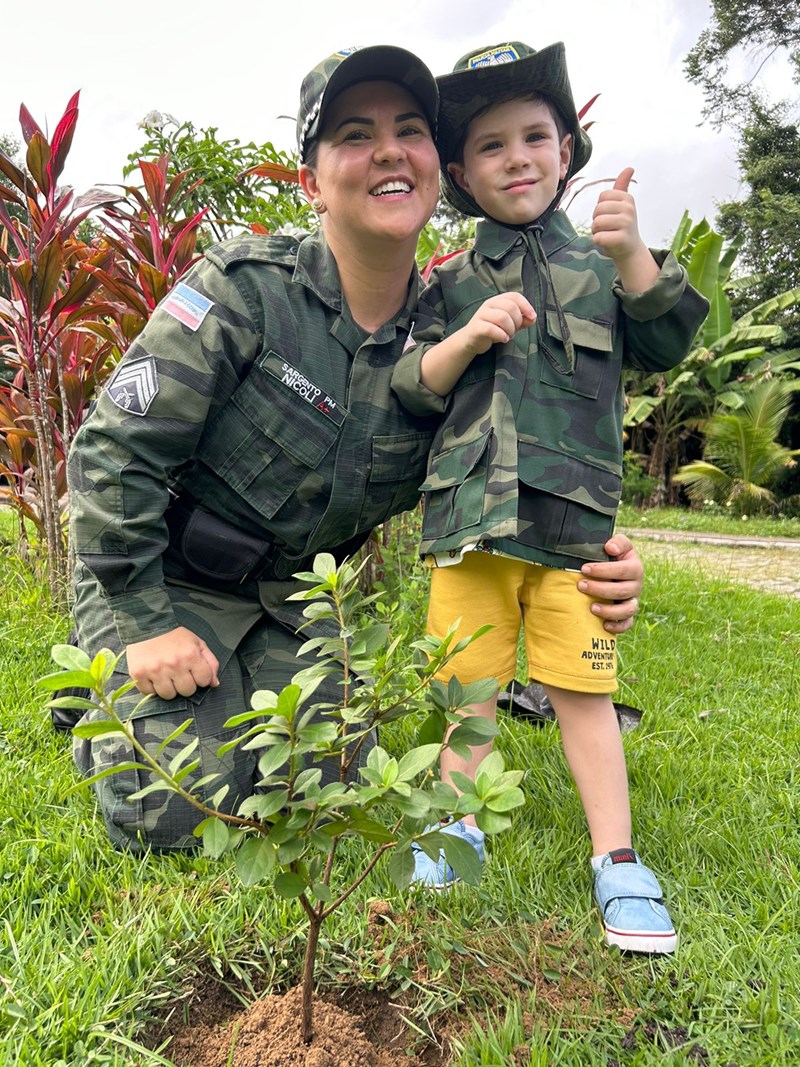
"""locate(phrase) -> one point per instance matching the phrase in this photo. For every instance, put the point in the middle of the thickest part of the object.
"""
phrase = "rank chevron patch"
(134, 386)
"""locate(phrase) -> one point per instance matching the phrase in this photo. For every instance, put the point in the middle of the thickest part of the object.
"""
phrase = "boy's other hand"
(618, 583)
(495, 322)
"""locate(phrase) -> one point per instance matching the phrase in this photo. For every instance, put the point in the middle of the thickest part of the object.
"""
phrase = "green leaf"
(492, 822)
(401, 866)
(492, 766)
(416, 805)
(462, 857)
(289, 851)
(74, 659)
(106, 727)
(417, 760)
(77, 679)
(318, 733)
(371, 830)
(506, 801)
(289, 885)
(255, 861)
(263, 805)
(288, 699)
(273, 758)
(215, 834)
(431, 732)
(462, 782)
(158, 786)
(390, 772)
(321, 892)
(72, 702)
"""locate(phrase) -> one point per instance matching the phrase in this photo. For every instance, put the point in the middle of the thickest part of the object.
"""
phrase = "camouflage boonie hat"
(350, 65)
(479, 79)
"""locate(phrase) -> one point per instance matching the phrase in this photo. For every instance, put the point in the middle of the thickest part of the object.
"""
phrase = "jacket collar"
(316, 269)
(494, 240)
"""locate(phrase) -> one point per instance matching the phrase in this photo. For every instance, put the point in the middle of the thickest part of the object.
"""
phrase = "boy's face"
(513, 161)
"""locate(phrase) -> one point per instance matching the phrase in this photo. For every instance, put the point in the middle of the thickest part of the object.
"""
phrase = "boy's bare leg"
(451, 762)
(592, 743)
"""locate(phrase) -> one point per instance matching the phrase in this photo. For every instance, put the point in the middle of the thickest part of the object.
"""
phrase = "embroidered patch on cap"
(493, 57)
(187, 305)
(134, 386)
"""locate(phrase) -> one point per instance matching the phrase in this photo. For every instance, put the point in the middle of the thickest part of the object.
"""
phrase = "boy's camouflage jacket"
(534, 416)
(253, 393)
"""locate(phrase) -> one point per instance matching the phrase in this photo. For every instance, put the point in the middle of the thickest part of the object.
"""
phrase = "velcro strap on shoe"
(626, 880)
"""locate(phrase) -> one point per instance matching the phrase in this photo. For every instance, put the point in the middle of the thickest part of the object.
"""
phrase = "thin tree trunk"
(314, 926)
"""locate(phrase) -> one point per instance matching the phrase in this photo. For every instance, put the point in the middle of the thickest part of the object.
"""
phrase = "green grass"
(707, 520)
(95, 943)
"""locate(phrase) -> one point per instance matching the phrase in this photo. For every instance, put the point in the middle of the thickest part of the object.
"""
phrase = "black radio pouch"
(214, 549)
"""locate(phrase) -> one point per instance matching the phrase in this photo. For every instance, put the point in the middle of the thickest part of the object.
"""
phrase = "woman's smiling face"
(376, 167)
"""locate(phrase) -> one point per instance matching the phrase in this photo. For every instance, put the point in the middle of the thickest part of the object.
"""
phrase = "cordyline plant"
(155, 242)
(293, 829)
(73, 309)
(52, 292)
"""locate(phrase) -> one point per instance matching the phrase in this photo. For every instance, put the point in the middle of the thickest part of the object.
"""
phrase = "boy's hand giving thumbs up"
(615, 230)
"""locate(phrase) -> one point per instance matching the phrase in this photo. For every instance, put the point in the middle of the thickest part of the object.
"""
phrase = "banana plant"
(728, 357)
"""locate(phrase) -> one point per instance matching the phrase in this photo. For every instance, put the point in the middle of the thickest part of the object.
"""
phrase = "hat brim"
(463, 93)
(382, 63)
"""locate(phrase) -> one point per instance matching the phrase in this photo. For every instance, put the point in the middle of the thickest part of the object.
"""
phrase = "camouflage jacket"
(252, 391)
(528, 458)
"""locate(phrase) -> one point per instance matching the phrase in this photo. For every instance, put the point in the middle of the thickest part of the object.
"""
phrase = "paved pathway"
(771, 564)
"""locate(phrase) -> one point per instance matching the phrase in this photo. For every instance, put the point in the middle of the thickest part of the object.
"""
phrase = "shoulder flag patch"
(134, 385)
(186, 305)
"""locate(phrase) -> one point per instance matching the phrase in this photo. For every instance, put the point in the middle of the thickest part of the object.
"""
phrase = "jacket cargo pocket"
(268, 438)
(588, 484)
(593, 343)
(397, 468)
(455, 488)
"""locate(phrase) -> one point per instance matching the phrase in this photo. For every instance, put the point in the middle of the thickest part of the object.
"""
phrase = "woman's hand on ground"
(176, 663)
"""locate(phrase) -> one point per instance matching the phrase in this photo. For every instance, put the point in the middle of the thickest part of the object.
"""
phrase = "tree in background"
(233, 190)
(757, 30)
(767, 220)
(751, 35)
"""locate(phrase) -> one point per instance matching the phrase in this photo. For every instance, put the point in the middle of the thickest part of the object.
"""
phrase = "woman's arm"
(618, 582)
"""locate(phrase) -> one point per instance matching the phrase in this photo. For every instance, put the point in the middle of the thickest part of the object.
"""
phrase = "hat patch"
(493, 58)
(134, 386)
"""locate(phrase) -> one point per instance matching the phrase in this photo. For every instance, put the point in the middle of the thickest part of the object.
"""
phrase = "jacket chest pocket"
(593, 343)
(271, 434)
(456, 487)
(397, 467)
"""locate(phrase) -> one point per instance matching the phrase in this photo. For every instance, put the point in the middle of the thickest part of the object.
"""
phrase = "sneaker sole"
(653, 944)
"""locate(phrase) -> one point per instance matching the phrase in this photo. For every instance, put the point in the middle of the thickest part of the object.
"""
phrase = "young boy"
(524, 477)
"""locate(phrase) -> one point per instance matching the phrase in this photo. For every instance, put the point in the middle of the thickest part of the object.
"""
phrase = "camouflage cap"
(479, 79)
(350, 65)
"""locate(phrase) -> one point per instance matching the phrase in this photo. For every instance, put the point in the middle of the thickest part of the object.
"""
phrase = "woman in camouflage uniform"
(252, 425)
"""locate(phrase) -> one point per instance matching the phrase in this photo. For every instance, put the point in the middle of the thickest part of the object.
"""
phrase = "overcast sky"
(238, 66)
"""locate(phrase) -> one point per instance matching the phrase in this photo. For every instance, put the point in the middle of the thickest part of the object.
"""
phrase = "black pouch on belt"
(214, 549)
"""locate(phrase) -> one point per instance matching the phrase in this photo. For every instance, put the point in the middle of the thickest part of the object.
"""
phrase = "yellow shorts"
(565, 643)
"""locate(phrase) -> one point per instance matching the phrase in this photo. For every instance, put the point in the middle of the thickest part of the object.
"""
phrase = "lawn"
(97, 944)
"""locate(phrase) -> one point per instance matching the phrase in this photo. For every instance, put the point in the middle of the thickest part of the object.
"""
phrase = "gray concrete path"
(765, 563)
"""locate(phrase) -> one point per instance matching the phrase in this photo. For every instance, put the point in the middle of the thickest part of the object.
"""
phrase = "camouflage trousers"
(254, 652)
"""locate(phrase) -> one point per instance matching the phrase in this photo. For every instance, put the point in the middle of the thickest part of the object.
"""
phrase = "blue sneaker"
(632, 905)
(438, 874)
